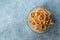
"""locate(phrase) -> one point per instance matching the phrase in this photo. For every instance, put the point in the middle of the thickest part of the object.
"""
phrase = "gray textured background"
(13, 16)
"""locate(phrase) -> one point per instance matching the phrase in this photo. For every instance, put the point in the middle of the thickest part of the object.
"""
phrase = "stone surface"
(13, 16)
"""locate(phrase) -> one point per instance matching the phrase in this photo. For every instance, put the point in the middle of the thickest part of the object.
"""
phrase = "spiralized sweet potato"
(40, 20)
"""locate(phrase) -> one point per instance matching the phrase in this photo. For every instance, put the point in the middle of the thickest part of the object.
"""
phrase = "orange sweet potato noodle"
(40, 20)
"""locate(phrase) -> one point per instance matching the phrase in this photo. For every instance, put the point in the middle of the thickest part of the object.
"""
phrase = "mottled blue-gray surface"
(13, 16)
